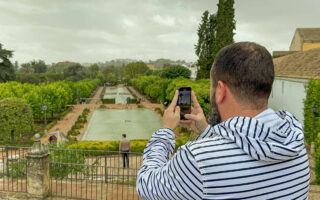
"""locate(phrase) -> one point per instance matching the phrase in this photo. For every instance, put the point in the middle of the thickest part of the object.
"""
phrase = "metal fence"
(13, 169)
(75, 173)
(93, 174)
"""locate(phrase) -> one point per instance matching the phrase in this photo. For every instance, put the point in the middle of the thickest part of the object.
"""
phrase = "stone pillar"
(38, 175)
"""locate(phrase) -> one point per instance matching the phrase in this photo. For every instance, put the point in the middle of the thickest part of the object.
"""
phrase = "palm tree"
(6, 67)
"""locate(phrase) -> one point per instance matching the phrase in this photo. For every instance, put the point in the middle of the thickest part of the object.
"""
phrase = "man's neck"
(242, 112)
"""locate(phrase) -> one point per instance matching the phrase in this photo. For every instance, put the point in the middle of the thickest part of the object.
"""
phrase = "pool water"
(120, 94)
(112, 123)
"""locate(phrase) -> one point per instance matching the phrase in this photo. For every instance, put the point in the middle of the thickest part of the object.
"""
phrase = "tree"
(61, 66)
(205, 46)
(101, 77)
(39, 66)
(93, 70)
(16, 66)
(174, 71)
(26, 68)
(75, 72)
(111, 78)
(6, 67)
(148, 72)
(16, 120)
(215, 32)
(119, 71)
(225, 25)
(134, 69)
(34, 67)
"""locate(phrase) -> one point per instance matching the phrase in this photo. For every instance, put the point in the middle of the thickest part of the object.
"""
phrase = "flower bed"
(79, 124)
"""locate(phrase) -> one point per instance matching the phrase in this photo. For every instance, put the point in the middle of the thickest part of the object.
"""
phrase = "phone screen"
(184, 101)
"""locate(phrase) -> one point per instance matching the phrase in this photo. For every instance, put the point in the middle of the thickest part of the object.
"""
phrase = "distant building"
(292, 74)
(67, 63)
(166, 65)
(151, 66)
(304, 39)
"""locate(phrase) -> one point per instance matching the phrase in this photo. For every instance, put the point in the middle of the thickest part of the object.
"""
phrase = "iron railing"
(93, 174)
(75, 173)
(13, 168)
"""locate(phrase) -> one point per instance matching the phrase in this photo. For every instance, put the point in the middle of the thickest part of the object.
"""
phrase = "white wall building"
(288, 94)
(292, 74)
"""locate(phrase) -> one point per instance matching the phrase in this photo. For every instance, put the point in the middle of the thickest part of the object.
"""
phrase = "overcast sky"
(96, 31)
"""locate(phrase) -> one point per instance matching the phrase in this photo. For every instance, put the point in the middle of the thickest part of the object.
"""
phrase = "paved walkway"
(139, 95)
(96, 96)
(65, 124)
(68, 121)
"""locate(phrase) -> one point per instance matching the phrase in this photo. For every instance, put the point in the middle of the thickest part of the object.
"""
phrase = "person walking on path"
(248, 151)
(124, 148)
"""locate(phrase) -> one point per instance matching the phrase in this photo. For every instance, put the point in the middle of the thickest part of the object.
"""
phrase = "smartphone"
(184, 101)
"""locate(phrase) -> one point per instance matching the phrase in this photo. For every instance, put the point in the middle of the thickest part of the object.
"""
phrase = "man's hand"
(196, 119)
(171, 116)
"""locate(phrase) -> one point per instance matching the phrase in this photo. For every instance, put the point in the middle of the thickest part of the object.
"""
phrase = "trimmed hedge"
(108, 101)
(137, 146)
(133, 101)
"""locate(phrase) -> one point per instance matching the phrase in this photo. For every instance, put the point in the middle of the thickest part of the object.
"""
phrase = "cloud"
(164, 20)
(99, 30)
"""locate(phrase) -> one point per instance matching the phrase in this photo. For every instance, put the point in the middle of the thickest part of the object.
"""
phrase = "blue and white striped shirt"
(241, 158)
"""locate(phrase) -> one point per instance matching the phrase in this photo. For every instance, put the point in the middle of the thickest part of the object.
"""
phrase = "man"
(124, 148)
(253, 153)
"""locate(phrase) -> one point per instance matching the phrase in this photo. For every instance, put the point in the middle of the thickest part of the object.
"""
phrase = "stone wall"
(297, 41)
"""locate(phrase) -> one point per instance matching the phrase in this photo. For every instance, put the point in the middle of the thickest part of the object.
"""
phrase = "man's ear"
(221, 92)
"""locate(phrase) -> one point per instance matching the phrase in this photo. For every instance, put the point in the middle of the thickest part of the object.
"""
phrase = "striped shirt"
(241, 158)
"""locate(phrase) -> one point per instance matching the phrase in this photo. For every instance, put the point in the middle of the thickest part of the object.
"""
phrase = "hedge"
(163, 90)
(108, 101)
(133, 101)
(137, 146)
(312, 97)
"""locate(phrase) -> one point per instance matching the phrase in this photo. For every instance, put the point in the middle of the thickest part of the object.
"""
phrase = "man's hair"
(124, 135)
(247, 68)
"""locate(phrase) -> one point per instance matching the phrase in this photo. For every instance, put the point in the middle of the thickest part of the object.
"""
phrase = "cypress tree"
(215, 32)
(205, 45)
(225, 25)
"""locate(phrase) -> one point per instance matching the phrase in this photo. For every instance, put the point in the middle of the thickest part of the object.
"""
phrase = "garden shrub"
(137, 146)
(51, 124)
(140, 106)
(312, 97)
(158, 110)
(133, 101)
(102, 107)
(82, 119)
(59, 157)
(18, 169)
(108, 101)
(317, 166)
